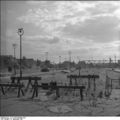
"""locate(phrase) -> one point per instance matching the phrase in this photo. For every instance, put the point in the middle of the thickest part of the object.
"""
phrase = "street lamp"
(69, 52)
(20, 33)
(46, 53)
(14, 47)
(115, 58)
(59, 61)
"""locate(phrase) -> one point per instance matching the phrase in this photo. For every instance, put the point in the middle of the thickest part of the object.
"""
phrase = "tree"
(38, 63)
(47, 64)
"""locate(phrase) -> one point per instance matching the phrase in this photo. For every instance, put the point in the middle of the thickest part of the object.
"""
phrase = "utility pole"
(69, 53)
(14, 47)
(46, 54)
(115, 58)
(79, 67)
(110, 62)
(59, 61)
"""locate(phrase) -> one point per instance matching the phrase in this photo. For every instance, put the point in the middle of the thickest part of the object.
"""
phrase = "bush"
(45, 70)
(9, 69)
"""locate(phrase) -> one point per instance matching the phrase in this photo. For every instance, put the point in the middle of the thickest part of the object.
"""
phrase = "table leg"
(18, 92)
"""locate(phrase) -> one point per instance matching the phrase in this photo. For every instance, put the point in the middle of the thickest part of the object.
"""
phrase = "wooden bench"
(83, 76)
(19, 86)
(89, 78)
(56, 87)
(28, 78)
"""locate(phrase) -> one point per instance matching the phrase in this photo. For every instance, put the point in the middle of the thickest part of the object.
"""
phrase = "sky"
(89, 29)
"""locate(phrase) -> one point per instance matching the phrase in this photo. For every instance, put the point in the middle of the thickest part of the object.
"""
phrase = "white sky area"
(89, 29)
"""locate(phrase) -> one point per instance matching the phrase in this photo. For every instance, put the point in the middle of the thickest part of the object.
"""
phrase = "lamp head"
(20, 31)
(14, 45)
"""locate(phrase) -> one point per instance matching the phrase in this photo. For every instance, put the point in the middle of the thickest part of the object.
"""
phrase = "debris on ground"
(60, 109)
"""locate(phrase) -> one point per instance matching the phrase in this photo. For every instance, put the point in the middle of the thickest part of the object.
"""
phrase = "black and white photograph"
(60, 58)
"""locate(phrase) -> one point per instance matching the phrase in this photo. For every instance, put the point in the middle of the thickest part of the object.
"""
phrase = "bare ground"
(66, 105)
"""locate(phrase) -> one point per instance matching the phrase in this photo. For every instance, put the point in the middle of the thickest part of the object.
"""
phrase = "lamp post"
(20, 33)
(14, 47)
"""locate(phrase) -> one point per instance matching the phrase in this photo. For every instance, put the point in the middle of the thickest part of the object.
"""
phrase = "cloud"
(52, 16)
(99, 29)
(33, 2)
(86, 28)
(53, 40)
(102, 7)
(43, 39)
(94, 20)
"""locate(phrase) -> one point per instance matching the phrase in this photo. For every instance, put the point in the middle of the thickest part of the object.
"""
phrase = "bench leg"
(22, 92)
(32, 87)
(27, 87)
(3, 90)
(81, 94)
(76, 83)
(18, 92)
(57, 93)
(74, 92)
(12, 82)
(34, 91)
(29, 83)
(70, 83)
